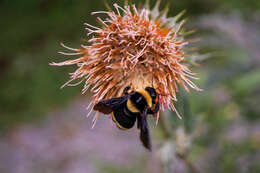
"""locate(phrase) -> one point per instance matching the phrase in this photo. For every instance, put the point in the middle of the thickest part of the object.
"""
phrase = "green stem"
(188, 163)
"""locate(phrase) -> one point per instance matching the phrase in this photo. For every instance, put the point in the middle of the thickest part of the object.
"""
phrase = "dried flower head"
(137, 48)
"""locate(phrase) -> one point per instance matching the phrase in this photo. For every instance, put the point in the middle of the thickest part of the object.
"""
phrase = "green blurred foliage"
(30, 38)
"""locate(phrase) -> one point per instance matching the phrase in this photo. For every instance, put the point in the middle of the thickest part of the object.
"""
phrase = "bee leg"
(139, 119)
(144, 133)
(156, 109)
(126, 90)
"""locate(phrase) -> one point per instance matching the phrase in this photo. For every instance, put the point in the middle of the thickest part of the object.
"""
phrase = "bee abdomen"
(123, 118)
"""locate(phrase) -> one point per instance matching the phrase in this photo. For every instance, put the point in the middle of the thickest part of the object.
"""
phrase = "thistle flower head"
(136, 48)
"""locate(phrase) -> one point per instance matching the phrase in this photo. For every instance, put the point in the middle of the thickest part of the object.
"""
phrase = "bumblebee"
(133, 106)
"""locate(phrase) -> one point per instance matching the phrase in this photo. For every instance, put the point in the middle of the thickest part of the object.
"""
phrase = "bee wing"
(144, 132)
(109, 105)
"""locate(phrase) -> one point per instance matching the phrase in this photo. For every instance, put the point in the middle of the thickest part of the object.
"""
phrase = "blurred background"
(44, 129)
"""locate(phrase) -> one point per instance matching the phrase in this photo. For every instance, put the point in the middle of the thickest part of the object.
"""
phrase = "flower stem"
(165, 128)
(188, 163)
(168, 134)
